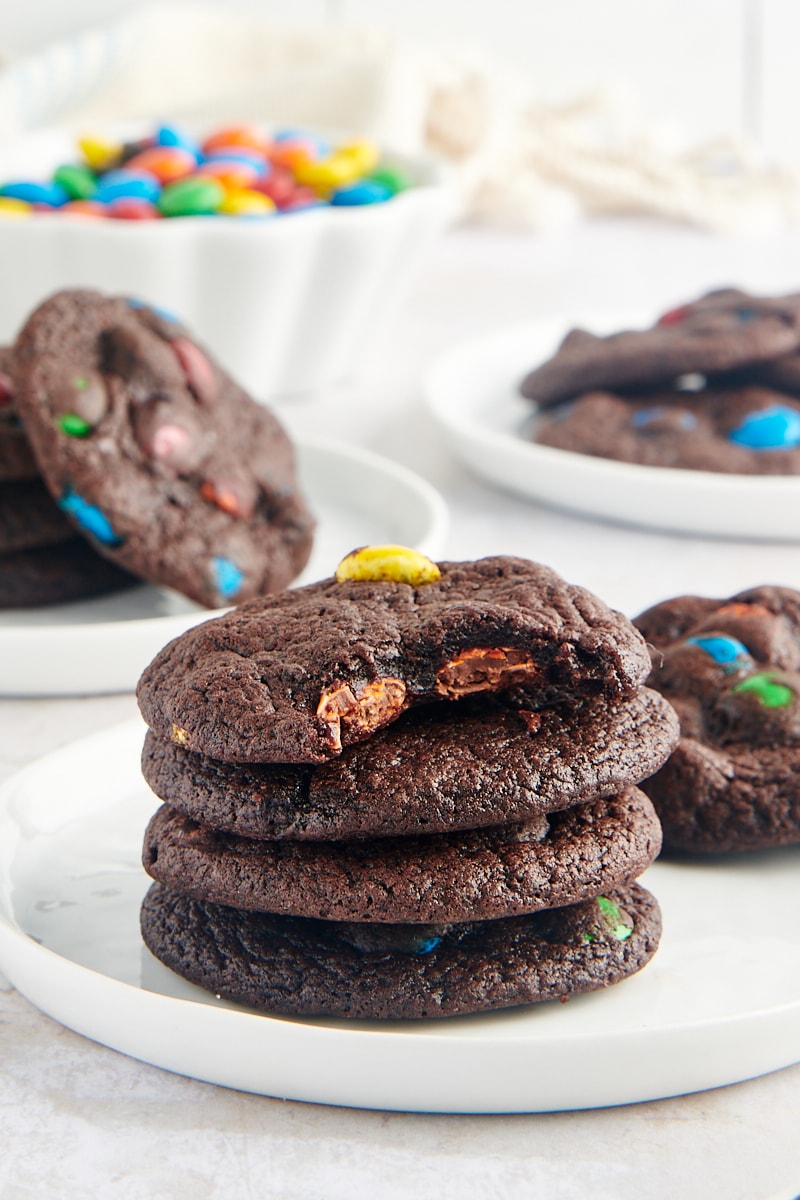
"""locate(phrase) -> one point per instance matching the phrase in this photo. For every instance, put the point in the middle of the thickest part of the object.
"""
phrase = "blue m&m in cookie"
(727, 651)
(773, 428)
(89, 517)
(228, 578)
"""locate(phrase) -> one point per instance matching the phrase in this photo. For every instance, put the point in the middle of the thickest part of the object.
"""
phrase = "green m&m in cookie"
(768, 690)
(79, 401)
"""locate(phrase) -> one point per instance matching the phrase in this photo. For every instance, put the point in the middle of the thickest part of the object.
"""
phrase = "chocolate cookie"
(16, 457)
(29, 518)
(731, 670)
(473, 875)
(701, 338)
(745, 431)
(736, 302)
(781, 374)
(778, 374)
(301, 967)
(56, 574)
(298, 676)
(157, 456)
(439, 767)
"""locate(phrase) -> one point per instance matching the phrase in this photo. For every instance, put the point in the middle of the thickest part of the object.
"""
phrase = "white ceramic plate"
(719, 1003)
(472, 393)
(103, 645)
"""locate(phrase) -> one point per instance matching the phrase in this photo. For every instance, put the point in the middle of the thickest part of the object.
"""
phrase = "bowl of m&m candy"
(287, 250)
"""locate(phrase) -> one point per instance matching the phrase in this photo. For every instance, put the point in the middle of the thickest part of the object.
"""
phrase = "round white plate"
(472, 391)
(103, 645)
(719, 1003)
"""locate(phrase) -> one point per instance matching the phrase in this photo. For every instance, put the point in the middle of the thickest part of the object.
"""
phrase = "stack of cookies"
(713, 386)
(140, 457)
(731, 669)
(406, 791)
(42, 560)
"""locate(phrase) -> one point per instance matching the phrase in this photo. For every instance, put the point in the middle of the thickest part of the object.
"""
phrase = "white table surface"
(78, 1120)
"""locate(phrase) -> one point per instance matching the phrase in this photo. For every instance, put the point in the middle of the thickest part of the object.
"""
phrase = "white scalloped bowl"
(288, 305)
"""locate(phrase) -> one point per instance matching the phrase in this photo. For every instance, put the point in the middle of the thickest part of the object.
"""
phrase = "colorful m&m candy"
(773, 428)
(239, 170)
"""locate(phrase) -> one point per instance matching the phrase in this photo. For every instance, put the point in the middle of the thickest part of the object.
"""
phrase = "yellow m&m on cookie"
(397, 563)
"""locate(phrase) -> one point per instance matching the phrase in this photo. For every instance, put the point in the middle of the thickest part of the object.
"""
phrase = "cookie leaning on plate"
(731, 669)
(153, 451)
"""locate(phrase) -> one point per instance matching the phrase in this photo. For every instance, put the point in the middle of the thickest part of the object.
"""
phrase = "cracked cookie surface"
(298, 676)
(302, 967)
(439, 767)
(471, 875)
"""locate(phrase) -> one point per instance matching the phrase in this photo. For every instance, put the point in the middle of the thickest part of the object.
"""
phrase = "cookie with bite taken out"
(295, 678)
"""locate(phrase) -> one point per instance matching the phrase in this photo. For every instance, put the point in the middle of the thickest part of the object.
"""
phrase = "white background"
(692, 69)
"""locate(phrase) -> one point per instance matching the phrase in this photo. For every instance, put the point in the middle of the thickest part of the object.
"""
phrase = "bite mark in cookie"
(376, 704)
(248, 686)
(490, 670)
